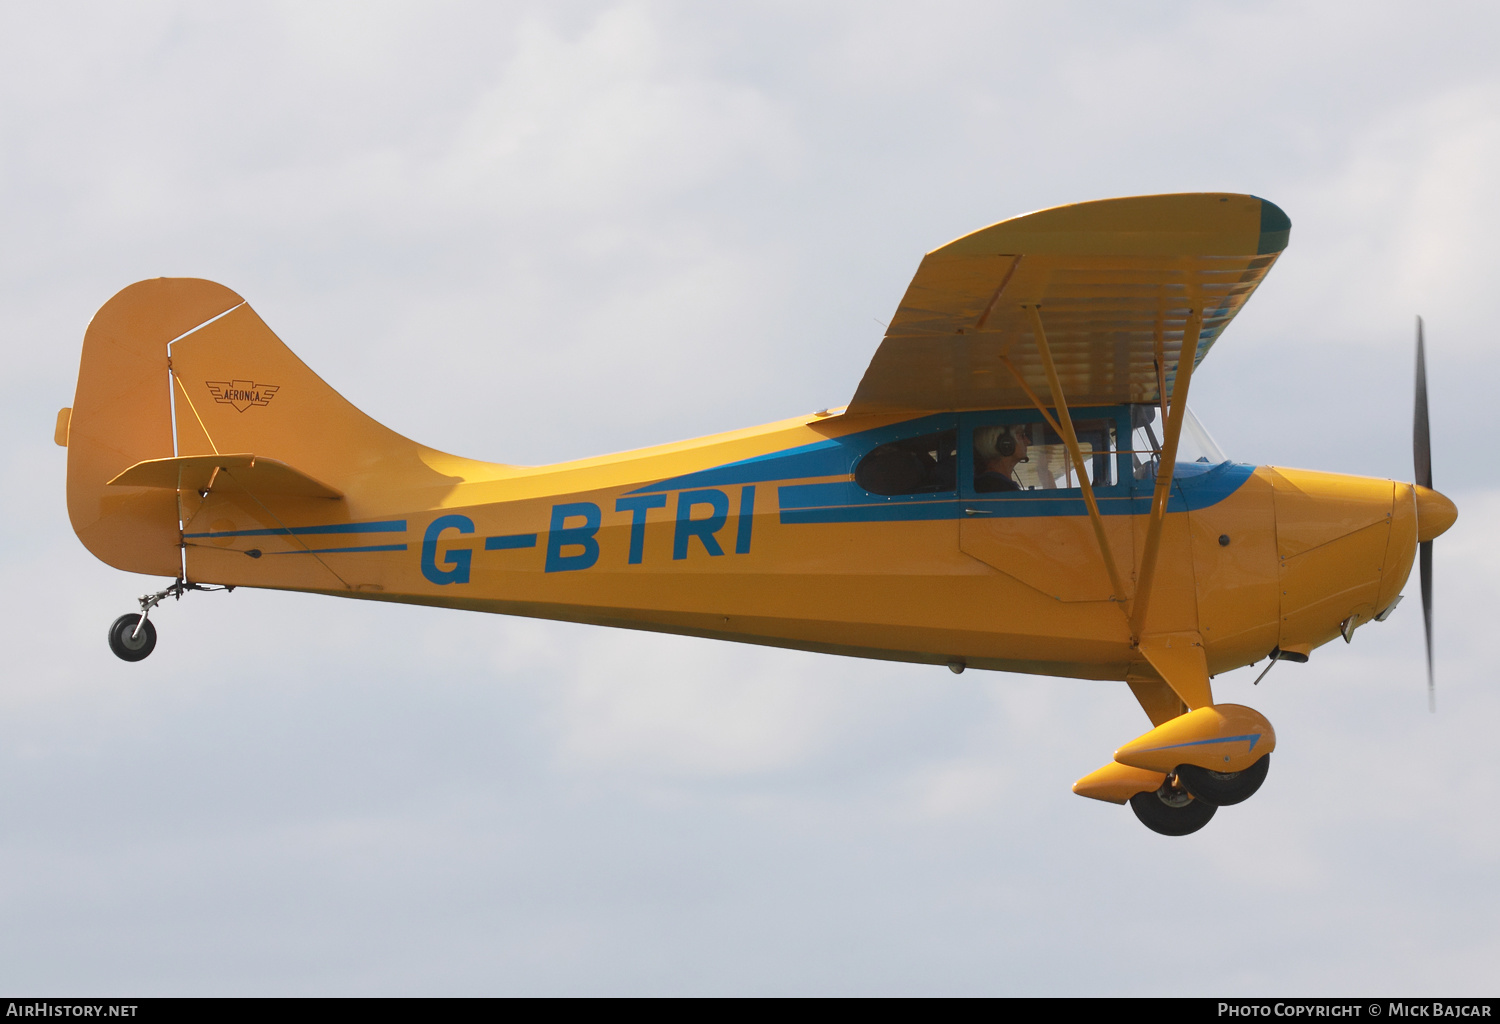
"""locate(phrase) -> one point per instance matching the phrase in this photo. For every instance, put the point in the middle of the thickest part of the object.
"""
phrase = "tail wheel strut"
(132, 637)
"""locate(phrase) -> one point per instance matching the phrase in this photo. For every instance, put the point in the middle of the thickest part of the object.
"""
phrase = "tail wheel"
(128, 643)
(1224, 788)
(1171, 810)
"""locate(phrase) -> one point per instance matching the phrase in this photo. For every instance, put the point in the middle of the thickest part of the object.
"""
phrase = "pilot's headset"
(995, 442)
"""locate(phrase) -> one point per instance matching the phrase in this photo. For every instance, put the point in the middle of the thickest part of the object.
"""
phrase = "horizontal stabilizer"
(259, 476)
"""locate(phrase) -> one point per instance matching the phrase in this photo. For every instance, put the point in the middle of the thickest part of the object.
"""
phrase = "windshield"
(1195, 445)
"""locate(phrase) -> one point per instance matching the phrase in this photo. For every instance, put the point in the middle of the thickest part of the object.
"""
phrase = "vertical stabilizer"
(195, 427)
(122, 415)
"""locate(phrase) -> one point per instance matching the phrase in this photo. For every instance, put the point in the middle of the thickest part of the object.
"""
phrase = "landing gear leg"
(132, 637)
(1172, 810)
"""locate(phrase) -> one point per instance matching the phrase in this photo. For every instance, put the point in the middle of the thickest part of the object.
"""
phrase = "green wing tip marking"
(1275, 228)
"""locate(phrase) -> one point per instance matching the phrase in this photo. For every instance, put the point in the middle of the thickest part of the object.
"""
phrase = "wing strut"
(1187, 355)
(1161, 372)
(1065, 421)
(1036, 400)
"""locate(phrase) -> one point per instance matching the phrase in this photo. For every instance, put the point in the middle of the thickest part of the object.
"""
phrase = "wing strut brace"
(1070, 438)
(1187, 356)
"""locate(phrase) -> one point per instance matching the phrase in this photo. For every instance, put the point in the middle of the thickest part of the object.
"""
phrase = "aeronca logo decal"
(242, 394)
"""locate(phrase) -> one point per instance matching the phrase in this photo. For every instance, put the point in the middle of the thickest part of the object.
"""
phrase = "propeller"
(1421, 444)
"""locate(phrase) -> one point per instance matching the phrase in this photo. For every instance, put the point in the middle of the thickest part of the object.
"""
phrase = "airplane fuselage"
(764, 536)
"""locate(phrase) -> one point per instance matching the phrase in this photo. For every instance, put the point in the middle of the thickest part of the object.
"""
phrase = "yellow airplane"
(993, 496)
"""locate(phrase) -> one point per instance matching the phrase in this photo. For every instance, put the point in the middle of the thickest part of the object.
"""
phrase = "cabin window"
(916, 465)
(1145, 442)
(1032, 457)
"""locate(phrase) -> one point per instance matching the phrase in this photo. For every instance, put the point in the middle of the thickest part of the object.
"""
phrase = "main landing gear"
(1188, 798)
(132, 637)
(1224, 788)
(1179, 774)
(1172, 810)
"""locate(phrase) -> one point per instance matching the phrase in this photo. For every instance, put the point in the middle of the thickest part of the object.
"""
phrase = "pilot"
(998, 450)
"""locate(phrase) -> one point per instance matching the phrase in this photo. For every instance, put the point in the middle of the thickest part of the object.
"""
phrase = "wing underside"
(1115, 283)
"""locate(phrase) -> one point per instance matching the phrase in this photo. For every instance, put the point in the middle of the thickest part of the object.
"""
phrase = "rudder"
(122, 415)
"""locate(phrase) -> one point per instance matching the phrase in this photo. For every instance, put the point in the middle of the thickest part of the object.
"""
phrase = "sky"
(535, 232)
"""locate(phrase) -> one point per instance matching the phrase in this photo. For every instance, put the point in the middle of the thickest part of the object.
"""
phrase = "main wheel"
(1171, 810)
(128, 647)
(1224, 788)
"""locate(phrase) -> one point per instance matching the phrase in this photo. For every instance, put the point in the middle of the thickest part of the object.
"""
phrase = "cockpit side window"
(1018, 457)
(916, 465)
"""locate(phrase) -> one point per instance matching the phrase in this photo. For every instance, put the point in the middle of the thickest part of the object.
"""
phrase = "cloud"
(538, 232)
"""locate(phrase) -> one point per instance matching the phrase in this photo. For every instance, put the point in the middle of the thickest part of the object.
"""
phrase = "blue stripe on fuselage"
(834, 457)
(340, 551)
(1194, 486)
(393, 526)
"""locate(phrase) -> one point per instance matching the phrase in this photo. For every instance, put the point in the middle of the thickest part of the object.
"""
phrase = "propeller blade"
(1421, 449)
(1421, 438)
(1424, 555)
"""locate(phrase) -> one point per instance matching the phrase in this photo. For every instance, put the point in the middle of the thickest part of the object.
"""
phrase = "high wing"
(1116, 282)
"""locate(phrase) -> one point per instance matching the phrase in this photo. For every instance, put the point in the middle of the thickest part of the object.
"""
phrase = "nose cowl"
(1435, 513)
